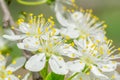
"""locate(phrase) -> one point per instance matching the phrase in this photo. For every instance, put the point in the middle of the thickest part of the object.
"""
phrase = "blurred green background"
(107, 10)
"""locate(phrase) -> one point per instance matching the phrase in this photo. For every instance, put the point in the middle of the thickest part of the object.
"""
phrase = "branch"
(8, 21)
(7, 18)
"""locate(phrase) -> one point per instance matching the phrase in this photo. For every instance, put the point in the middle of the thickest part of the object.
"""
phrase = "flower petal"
(24, 27)
(71, 32)
(36, 62)
(108, 67)
(58, 65)
(69, 51)
(2, 61)
(19, 62)
(77, 16)
(98, 74)
(14, 37)
(75, 66)
(30, 43)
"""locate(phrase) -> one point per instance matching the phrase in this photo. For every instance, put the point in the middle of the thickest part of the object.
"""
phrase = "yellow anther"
(39, 30)
(12, 27)
(24, 13)
(9, 78)
(93, 54)
(113, 62)
(105, 66)
(40, 49)
(112, 56)
(65, 40)
(72, 44)
(88, 73)
(31, 14)
(67, 37)
(73, 55)
(46, 29)
(31, 21)
(80, 62)
(119, 49)
(113, 77)
(81, 78)
(68, 10)
(72, 1)
(104, 26)
(60, 58)
(101, 50)
(83, 50)
(27, 33)
(72, 10)
(37, 43)
(51, 17)
(13, 62)
(108, 52)
(9, 72)
(41, 15)
(7, 54)
(50, 45)
(3, 67)
(64, 8)
(19, 76)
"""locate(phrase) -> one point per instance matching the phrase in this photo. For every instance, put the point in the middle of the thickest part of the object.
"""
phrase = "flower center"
(49, 47)
(87, 59)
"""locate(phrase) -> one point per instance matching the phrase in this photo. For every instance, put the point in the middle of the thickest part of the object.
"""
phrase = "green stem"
(32, 3)
(70, 78)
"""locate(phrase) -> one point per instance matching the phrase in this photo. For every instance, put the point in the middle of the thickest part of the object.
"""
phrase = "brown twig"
(8, 21)
(7, 18)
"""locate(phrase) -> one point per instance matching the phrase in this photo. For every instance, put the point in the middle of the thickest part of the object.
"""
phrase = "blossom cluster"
(78, 48)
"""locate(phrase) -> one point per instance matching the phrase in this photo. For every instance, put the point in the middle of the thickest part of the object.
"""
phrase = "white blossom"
(6, 73)
(94, 58)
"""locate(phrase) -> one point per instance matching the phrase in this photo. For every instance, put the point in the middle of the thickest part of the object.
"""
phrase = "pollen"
(9, 72)
(19, 76)
(13, 62)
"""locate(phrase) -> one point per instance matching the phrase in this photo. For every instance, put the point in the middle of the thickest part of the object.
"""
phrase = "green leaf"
(53, 76)
(44, 72)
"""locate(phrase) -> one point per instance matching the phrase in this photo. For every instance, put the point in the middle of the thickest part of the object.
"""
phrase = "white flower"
(6, 72)
(49, 52)
(33, 26)
(2, 43)
(79, 23)
(93, 57)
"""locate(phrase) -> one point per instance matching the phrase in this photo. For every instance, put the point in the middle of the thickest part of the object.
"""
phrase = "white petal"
(69, 51)
(100, 36)
(72, 33)
(11, 77)
(98, 74)
(58, 65)
(36, 62)
(76, 66)
(24, 27)
(30, 43)
(77, 16)
(14, 37)
(18, 64)
(2, 61)
(26, 77)
(108, 67)
(117, 76)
